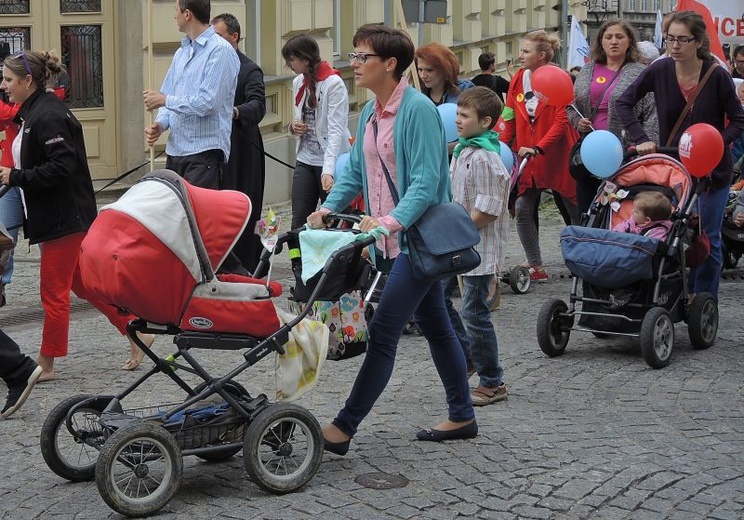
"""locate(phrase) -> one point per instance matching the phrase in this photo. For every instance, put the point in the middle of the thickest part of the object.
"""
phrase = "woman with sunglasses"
(542, 132)
(321, 121)
(673, 81)
(400, 136)
(51, 168)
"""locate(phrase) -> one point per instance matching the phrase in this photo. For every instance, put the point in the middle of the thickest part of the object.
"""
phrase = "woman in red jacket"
(11, 208)
(543, 132)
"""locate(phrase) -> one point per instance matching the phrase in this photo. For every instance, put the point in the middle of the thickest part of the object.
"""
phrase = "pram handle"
(346, 217)
(666, 150)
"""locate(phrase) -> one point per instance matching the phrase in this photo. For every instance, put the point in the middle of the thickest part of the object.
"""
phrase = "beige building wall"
(146, 37)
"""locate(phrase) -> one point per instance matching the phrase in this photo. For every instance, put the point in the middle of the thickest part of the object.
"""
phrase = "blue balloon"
(448, 113)
(341, 162)
(507, 156)
(602, 153)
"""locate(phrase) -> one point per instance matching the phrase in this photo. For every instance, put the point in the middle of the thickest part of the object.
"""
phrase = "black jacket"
(55, 178)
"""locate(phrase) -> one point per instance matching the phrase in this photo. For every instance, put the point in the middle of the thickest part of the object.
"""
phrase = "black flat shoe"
(468, 431)
(337, 448)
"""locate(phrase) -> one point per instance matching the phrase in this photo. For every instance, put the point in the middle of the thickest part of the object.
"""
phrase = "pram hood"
(657, 169)
(154, 252)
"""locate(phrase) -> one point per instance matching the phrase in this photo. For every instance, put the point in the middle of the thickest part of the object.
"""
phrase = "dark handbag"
(6, 241)
(699, 249)
(575, 165)
(441, 243)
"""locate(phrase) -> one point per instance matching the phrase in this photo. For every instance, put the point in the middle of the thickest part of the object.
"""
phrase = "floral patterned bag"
(347, 321)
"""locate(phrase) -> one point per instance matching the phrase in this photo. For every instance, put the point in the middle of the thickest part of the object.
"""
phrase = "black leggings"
(306, 191)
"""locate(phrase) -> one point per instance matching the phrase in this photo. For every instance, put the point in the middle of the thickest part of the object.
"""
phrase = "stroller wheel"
(702, 321)
(553, 327)
(70, 446)
(519, 279)
(139, 469)
(657, 337)
(283, 448)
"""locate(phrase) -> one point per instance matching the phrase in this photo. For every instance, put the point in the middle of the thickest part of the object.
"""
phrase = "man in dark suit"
(245, 171)
(487, 63)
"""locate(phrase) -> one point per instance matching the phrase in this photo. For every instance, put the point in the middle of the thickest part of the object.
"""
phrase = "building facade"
(114, 49)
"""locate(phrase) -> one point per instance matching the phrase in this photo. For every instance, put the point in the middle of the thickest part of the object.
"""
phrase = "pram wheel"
(70, 447)
(519, 279)
(657, 337)
(139, 469)
(553, 327)
(283, 448)
(702, 321)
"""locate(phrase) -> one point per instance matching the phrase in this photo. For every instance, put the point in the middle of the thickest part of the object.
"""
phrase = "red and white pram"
(154, 253)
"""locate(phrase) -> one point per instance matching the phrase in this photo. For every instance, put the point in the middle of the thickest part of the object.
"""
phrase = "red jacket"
(7, 113)
(550, 131)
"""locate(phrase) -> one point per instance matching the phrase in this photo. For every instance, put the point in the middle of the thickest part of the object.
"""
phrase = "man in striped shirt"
(196, 99)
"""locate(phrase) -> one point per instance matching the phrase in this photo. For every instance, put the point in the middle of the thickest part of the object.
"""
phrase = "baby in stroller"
(628, 284)
(155, 252)
(732, 232)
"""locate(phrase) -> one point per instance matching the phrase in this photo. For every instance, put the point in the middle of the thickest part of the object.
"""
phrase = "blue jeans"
(402, 297)
(462, 335)
(484, 346)
(707, 276)
(11, 215)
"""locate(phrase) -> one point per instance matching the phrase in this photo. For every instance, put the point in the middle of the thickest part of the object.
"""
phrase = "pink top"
(380, 199)
(658, 229)
(601, 77)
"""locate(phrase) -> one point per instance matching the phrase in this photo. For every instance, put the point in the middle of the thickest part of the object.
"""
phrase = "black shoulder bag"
(441, 243)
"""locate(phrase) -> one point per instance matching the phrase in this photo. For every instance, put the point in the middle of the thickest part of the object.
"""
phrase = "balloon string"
(573, 105)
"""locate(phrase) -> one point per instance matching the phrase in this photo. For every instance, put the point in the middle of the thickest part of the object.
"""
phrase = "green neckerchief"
(488, 140)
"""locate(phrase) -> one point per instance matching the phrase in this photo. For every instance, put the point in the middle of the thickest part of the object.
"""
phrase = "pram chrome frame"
(655, 329)
(96, 421)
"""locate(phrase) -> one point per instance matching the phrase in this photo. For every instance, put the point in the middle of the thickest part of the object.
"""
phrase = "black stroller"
(631, 285)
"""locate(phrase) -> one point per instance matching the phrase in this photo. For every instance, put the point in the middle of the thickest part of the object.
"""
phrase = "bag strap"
(391, 184)
(689, 104)
(604, 92)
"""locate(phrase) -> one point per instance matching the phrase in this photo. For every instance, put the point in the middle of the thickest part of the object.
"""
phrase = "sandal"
(484, 395)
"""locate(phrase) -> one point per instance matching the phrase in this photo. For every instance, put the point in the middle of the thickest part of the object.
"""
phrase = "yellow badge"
(520, 97)
(601, 80)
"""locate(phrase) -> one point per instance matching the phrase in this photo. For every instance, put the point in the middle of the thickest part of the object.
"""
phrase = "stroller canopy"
(656, 169)
(147, 251)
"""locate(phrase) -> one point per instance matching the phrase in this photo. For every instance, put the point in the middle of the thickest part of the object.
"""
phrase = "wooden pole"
(150, 74)
(403, 25)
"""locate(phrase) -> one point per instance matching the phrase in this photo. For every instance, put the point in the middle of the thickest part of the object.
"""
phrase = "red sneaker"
(538, 274)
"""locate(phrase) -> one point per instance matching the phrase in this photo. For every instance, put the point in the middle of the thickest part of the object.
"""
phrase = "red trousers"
(60, 273)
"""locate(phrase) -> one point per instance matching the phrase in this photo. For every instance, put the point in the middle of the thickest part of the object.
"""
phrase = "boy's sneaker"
(17, 394)
(538, 274)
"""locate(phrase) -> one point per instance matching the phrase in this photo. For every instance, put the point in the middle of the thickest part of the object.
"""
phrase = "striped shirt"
(480, 182)
(199, 89)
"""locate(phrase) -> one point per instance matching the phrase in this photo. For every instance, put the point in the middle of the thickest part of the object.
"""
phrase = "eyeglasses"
(22, 54)
(361, 57)
(682, 40)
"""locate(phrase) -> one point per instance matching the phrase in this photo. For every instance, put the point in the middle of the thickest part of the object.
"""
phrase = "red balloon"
(701, 149)
(552, 85)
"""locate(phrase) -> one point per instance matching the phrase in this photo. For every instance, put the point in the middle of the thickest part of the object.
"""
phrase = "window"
(644, 6)
(79, 6)
(17, 38)
(82, 54)
(631, 5)
(15, 6)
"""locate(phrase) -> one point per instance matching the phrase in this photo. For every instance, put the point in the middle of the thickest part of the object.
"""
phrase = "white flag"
(658, 37)
(578, 48)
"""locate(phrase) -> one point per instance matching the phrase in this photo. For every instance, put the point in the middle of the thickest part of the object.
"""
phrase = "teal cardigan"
(422, 169)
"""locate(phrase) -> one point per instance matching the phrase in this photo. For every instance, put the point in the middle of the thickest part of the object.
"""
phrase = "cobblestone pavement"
(594, 433)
